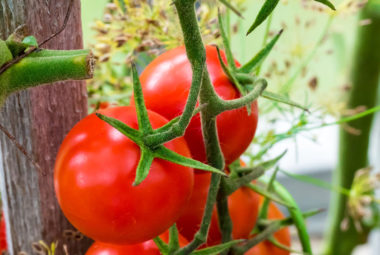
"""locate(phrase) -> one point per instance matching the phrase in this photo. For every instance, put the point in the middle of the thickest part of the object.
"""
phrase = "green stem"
(196, 54)
(225, 105)
(207, 96)
(201, 236)
(225, 223)
(353, 149)
(295, 213)
(33, 71)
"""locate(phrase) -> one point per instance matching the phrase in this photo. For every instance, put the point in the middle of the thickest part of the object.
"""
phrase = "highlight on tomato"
(94, 172)
(166, 82)
(282, 236)
(243, 206)
(145, 248)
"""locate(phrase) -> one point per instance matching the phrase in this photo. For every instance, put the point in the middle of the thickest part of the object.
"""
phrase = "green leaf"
(231, 7)
(232, 77)
(227, 46)
(230, 74)
(131, 133)
(173, 239)
(143, 167)
(265, 193)
(260, 56)
(327, 3)
(264, 12)
(279, 245)
(30, 40)
(164, 153)
(263, 213)
(295, 213)
(317, 182)
(162, 246)
(214, 250)
(282, 99)
(141, 111)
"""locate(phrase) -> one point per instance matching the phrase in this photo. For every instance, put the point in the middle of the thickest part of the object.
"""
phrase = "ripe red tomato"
(3, 235)
(166, 83)
(94, 172)
(145, 248)
(282, 236)
(243, 208)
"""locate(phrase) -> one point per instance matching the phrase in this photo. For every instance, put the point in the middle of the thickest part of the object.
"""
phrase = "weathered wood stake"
(39, 118)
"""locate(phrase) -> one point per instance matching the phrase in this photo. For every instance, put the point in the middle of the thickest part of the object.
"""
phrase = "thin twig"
(17, 59)
(20, 148)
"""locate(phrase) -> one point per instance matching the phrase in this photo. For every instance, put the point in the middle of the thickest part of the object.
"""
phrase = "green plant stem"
(196, 55)
(33, 71)
(295, 213)
(353, 149)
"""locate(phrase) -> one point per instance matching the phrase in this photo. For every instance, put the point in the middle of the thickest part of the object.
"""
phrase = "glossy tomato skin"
(166, 82)
(283, 236)
(243, 208)
(145, 248)
(94, 172)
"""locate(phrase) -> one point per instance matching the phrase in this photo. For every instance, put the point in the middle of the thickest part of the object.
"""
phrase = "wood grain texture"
(39, 118)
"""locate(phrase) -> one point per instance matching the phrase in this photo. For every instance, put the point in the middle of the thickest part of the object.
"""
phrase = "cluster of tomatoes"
(96, 166)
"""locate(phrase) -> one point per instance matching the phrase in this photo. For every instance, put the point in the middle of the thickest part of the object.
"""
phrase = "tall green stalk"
(353, 149)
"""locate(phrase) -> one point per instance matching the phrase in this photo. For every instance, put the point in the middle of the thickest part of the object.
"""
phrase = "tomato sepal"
(217, 249)
(173, 239)
(148, 154)
(162, 246)
(266, 9)
(164, 153)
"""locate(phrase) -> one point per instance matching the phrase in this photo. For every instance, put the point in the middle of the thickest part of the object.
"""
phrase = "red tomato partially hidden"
(243, 208)
(166, 83)
(3, 235)
(145, 248)
(282, 236)
(94, 172)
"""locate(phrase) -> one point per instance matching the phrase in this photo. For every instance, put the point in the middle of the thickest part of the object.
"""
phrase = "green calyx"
(149, 152)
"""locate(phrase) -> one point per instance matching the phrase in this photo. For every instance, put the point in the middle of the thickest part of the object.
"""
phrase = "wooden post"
(39, 118)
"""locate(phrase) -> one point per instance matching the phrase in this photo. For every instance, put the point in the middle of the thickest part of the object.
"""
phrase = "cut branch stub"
(44, 66)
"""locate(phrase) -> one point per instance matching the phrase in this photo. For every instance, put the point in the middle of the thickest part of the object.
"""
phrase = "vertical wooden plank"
(39, 118)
